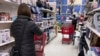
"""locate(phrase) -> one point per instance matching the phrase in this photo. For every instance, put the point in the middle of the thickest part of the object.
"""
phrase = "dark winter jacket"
(30, 28)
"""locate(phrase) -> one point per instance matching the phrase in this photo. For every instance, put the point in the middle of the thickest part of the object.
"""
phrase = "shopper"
(83, 44)
(74, 21)
(23, 30)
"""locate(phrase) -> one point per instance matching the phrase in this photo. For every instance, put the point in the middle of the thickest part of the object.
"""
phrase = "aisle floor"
(56, 48)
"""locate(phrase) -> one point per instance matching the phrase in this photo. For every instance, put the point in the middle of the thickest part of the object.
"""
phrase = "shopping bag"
(14, 52)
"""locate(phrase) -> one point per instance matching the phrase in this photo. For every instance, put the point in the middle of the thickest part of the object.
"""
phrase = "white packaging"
(4, 54)
(3, 36)
(7, 34)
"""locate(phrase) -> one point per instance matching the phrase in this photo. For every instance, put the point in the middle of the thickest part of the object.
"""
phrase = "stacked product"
(4, 16)
(5, 36)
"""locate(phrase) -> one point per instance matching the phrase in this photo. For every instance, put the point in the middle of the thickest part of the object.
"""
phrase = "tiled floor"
(56, 48)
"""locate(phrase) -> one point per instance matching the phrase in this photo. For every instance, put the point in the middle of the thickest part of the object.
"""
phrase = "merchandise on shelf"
(38, 18)
(4, 16)
(39, 3)
(33, 10)
(45, 23)
(4, 36)
(95, 51)
(98, 3)
(95, 40)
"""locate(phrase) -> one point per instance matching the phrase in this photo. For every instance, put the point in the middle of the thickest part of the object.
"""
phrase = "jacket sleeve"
(36, 30)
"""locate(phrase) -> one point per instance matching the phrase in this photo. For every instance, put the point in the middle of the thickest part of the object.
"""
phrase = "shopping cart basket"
(67, 30)
(40, 42)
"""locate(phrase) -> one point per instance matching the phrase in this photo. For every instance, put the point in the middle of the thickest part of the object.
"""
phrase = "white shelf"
(97, 9)
(9, 3)
(7, 42)
(6, 21)
(48, 18)
(92, 29)
(46, 10)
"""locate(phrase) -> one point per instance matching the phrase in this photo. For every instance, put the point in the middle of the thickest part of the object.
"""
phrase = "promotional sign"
(96, 21)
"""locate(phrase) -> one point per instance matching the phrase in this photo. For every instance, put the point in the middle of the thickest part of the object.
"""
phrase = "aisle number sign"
(96, 21)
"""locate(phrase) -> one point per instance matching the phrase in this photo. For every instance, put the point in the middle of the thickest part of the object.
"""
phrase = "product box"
(4, 35)
(45, 23)
(7, 34)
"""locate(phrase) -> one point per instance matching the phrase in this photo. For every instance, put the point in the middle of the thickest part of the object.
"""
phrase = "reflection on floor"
(56, 48)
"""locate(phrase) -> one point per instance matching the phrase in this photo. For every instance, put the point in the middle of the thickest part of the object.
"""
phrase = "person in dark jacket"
(74, 21)
(83, 44)
(23, 30)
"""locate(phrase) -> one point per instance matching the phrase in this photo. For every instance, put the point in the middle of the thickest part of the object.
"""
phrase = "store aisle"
(57, 48)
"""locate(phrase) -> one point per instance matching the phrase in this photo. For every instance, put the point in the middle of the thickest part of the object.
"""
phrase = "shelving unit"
(49, 27)
(90, 24)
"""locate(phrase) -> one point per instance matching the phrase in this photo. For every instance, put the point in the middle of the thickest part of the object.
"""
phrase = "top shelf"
(47, 10)
(91, 12)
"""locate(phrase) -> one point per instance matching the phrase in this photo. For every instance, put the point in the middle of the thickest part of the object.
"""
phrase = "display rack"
(90, 25)
(49, 29)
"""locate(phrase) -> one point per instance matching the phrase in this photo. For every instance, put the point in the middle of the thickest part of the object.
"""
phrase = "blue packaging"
(38, 18)
(98, 3)
(97, 51)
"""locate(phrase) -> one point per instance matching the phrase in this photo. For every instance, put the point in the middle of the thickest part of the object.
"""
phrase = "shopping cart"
(67, 32)
(40, 42)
